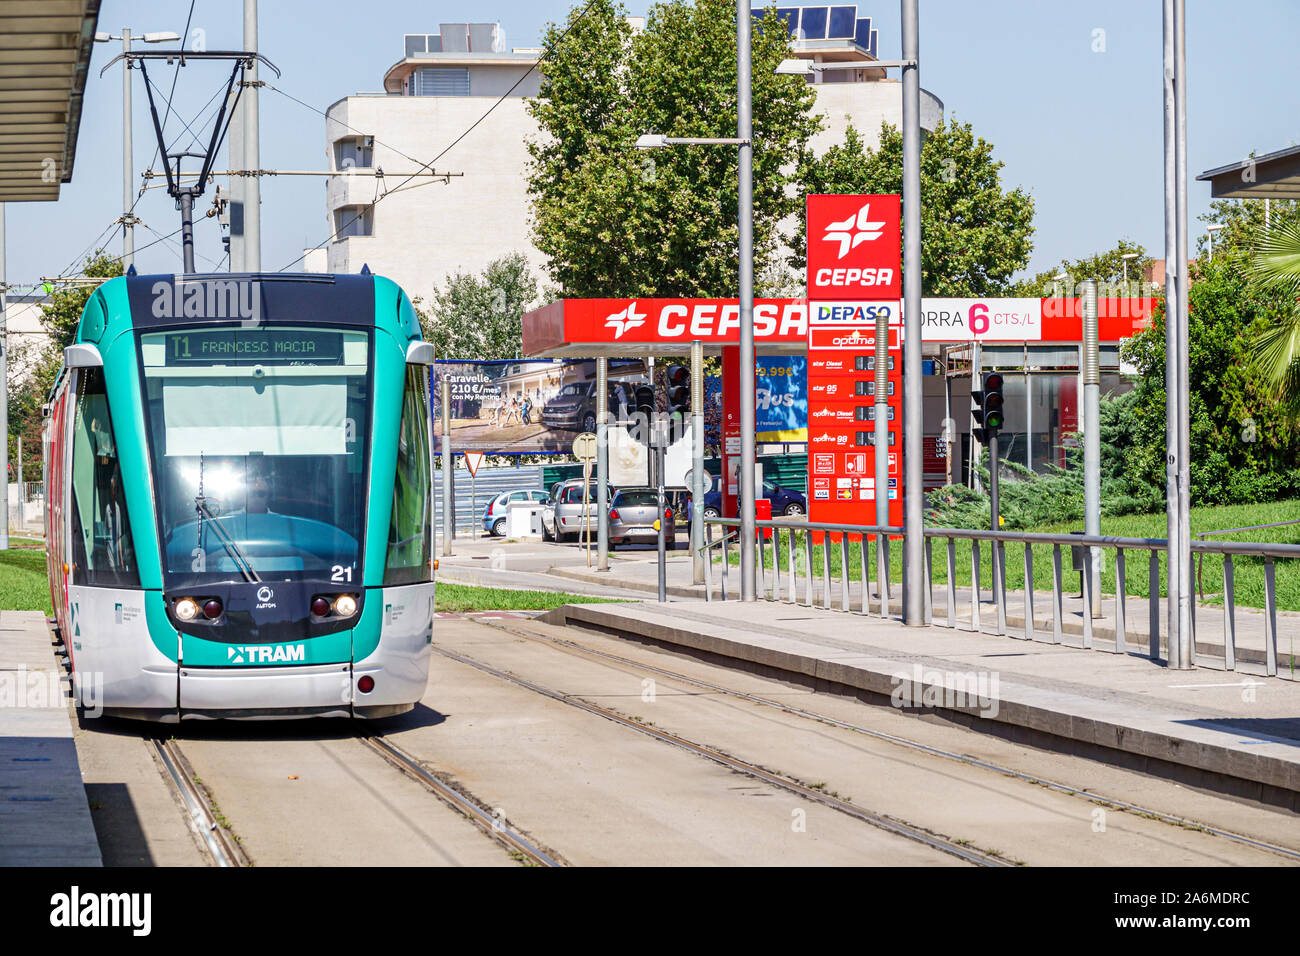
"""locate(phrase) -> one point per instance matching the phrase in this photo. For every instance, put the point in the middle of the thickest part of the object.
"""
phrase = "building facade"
(443, 86)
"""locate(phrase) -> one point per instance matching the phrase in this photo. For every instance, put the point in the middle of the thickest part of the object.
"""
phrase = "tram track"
(1091, 796)
(959, 849)
(204, 817)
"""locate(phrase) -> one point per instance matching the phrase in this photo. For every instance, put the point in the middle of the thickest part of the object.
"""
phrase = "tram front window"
(258, 448)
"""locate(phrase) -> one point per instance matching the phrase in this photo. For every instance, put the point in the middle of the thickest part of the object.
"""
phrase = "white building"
(443, 86)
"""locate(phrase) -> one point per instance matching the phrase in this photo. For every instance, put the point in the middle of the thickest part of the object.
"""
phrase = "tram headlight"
(345, 605)
(186, 609)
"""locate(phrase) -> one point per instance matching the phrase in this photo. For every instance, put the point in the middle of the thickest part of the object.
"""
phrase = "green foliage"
(1244, 444)
(974, 235)
(617, 221)
(464, 597)
(1108, 268)
(480, 317)
(63, 311)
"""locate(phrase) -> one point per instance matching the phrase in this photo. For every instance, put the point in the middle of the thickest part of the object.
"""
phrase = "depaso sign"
(854, 247)
(981, 320)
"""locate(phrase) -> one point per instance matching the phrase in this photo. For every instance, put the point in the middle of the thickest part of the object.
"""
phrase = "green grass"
(464, 597)
(23, 584)
(1248, 572)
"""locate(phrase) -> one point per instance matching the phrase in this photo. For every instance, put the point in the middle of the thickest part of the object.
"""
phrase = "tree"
(1244, 444)
(1108, 268)
(974, 234)
(1276, 269)
(480, 317)
(616, 221)
(63, 311)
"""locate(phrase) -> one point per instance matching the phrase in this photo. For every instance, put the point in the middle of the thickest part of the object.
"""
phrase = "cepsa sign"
(854, 247)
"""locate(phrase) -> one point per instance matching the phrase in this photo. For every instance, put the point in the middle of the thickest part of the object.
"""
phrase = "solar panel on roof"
(812, 23)
(862, 35)
(840, 24)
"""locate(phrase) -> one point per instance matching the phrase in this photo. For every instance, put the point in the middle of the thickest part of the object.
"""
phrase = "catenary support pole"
(697, 462)
(252, 159)
(602, 462)
(913, 426)
(1184, 550)
(128, 162)
(1173, 370)
(448, 507)
(4, 386)
(187, 230)
(1092, 435)
(745, 132)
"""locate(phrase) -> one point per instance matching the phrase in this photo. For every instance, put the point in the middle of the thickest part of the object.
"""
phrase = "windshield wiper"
(241, 560)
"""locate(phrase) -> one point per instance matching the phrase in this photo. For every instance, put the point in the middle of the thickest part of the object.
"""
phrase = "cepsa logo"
(854, 247)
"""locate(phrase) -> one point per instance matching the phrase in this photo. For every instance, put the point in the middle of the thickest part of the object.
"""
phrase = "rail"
(1202, 535)
(983, 557)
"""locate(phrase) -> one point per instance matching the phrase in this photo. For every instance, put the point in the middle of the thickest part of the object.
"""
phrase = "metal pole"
(1172, 367)
(602, 462)
(913, 425)
(4, 386)
(880, 452)
(1092, 435)
(187, 229)
(128, 161)
(697, 462)
(1185, 619)
(252, 160)
(448, 508)
(745, 132)
(661, 444)
(22, 515)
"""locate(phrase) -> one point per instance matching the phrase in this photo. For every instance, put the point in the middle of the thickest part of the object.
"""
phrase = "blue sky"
(1078, 127)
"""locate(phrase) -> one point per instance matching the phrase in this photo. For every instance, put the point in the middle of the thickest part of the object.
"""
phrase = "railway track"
(773, 778)
(214, 833)
(1091, 796)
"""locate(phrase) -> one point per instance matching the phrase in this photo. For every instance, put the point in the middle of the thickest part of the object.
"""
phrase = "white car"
(494, 515)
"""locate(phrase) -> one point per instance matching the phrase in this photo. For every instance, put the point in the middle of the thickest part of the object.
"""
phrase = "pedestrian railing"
(789, 560)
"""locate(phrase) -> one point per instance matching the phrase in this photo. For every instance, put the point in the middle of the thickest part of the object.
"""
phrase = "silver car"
(564, 518)
(632, 516)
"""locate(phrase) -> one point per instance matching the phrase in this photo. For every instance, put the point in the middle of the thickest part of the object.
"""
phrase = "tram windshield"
(258, 446)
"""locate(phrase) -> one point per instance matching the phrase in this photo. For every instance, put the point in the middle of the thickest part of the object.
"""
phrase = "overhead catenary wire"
(450, 146)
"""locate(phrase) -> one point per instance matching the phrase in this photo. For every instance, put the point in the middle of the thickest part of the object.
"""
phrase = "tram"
(239, 522)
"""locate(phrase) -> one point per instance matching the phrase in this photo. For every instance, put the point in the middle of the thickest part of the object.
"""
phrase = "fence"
(1247, 568)
(490, 482)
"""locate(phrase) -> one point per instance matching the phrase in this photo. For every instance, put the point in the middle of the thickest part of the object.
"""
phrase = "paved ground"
(44, 816)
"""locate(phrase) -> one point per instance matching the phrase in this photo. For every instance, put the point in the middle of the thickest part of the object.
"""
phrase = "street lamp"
(1210, 231)
(129, 220)
(1124, 258)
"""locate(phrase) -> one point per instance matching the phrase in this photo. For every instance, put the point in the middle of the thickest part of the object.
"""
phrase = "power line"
(501, 99)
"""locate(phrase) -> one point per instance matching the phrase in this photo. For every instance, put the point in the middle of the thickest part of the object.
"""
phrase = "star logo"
(852, 232)
(629, 318)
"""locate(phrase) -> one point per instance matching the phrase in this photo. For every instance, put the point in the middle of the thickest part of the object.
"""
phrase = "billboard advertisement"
(781, 399)
(527, 407)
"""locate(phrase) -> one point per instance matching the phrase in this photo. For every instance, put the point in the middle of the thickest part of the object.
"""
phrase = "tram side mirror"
(419, 353)
(82, 355)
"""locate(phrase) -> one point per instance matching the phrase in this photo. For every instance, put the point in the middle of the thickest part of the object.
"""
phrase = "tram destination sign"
(254, 346)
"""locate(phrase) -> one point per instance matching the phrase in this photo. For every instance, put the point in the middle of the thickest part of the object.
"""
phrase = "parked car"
(563, 517)
(785, 501)
(574, 408)
(632, 515)
(494, 515)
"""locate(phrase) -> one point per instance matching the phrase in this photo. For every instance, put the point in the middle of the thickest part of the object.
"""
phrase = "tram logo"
(264, 595)
(266, 653)
(854, 231)
(629, 318)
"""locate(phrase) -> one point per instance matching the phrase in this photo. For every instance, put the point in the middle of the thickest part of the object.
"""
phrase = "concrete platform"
(44, 814)
(1226, 732)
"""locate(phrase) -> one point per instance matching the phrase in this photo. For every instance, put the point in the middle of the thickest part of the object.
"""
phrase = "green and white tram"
(239, 519)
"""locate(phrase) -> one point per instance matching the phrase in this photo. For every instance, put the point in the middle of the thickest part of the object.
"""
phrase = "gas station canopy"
(45, 48)
(1271, 176)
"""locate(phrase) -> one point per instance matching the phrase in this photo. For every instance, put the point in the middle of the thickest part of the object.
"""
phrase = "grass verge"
(464, 597)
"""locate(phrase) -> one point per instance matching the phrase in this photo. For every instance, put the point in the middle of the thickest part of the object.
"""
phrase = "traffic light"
(645, 401)
(987, 410)
(679, 390)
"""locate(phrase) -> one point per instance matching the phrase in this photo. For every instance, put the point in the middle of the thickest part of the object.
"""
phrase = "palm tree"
(1276, 265)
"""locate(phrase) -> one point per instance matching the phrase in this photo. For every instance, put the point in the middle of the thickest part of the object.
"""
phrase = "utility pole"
(1092, 438)
(748, 450)
(128, 162)
(1184, 552)
(4, 382)
(913, 423)
(252, 161)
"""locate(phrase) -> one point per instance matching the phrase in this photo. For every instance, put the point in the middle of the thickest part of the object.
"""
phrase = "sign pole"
(697, 462)
(448, 516)
(744, 131)
(602, 460)
(913, 419)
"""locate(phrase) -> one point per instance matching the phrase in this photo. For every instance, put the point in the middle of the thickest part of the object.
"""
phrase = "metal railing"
(1202, 535)
(1087, 627)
